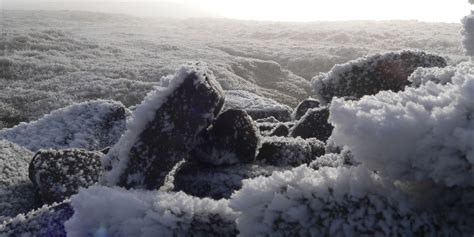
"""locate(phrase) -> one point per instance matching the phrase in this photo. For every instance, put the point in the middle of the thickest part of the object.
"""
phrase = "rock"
(313, 124)
(372, 74)
(288, 151)
(266, 127)
(256, 106)
(47, 221)
(280, 131)
(202, 181)
(165, 129)
(304, 106)
(59, 174)
(270, 119)
(17, 193)
(91, 125)
(232, 138)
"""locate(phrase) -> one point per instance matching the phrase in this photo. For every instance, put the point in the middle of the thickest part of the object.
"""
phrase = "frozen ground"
(51, 59)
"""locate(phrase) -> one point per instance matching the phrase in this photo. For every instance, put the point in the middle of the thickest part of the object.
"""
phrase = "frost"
(468, 34)
(118, 212)
(422, 134)
(91, 125)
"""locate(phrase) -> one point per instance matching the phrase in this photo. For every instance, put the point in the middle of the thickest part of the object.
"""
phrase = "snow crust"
(118, 212)
(468, 34)
(328, 202)
(420, 134)
(91, 125)
(17, 193)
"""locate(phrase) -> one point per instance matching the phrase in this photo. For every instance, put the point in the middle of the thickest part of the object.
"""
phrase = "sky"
(268, 10)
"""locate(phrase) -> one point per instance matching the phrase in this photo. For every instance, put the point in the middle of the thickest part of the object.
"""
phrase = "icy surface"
(17, 193)
(91, 125)
(421, 134)
(327, 202)
(118, 212)
(468, 34)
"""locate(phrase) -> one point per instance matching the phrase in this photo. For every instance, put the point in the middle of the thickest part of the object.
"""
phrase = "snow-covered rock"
(59, 174)
(281, 130)
(372, 74)
(47, 221)
(328, 202)
(117, 212)
(216, 182)
(164, 128)
(232, 138)
(304, 106)
(89, 125)
(288, 151)
(420, 134)
(17, 193)
(314, 124)
(256, 106)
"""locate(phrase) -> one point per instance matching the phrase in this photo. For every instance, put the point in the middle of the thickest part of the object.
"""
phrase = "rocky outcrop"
(59, 174)
(165, 129)
(313, 125)
(304, 106)
(232, 138)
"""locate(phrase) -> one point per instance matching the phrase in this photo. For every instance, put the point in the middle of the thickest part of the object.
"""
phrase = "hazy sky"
(289, 10)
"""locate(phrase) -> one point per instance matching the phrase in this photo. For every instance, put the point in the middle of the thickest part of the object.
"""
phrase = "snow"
(420, 134)
(91, 125)
(117, 157)
(17, 193)
(328, 202)
(468, 34)
(119, 212)
(244, 100)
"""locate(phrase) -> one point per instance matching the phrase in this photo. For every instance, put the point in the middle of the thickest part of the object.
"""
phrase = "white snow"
(119, 212)
(89, 125)
(328, 202)
(421, 134)
(468, 34)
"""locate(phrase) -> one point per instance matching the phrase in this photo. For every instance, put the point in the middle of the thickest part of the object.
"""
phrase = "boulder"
(304, 106)
(164, 129)
(47, 221)
(59, 174)
(288, 151)
(314, 124)
(91, 125)
(280, 131)
(266, 127)
(232, 138)
(17, 193)
(256, 106)
(200, 180)
(372, 74)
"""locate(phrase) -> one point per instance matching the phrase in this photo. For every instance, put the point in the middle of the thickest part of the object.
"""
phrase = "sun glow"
(312, 10)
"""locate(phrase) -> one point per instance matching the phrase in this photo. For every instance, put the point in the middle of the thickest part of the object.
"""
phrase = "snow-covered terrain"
(52, 59)
(160, 127)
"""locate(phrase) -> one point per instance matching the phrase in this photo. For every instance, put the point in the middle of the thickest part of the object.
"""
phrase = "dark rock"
(178, 115)
(304, 106)
(281, 114)
(232, 138)
(288, 151)
(47, 221)
(216, 182)
(59, 174)
(313, 124)
(370, 75)
(17, 193)
(280, 131)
